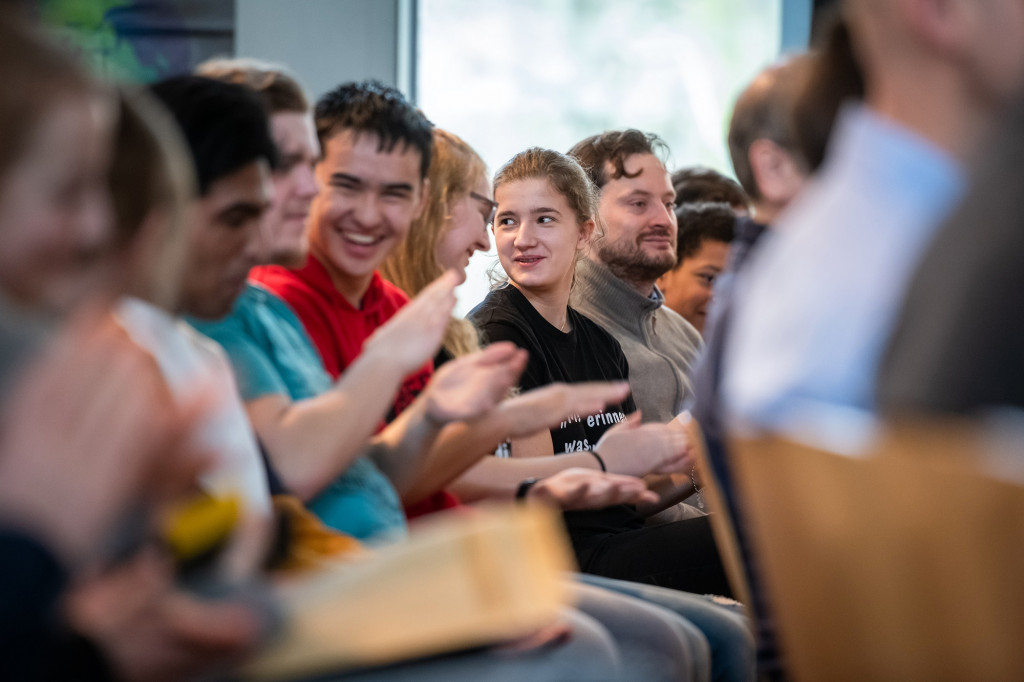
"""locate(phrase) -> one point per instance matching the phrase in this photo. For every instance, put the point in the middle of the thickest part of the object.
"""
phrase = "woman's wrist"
(524, 488)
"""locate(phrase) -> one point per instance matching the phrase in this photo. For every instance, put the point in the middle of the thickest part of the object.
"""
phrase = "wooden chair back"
(905, 564)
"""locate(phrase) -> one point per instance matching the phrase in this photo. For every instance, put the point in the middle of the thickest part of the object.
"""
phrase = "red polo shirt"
(339, 330)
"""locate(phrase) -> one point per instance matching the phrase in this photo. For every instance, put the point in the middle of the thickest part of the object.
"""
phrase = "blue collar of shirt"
(895, 159)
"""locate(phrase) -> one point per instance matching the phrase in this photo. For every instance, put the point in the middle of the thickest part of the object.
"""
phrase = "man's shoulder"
(160, 333)
(588, 304)
(608, 318)
(202, 344)
(670, 318)
(272, 276)
(290, 285)
(591, 329)
(304, 300)
(257, 317)
(244, 309)
(676, 337)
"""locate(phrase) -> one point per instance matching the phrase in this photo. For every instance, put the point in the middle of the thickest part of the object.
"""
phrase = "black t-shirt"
(444, 355)
(586, 353)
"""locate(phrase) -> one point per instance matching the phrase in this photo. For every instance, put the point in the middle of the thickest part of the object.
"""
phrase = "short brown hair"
(370, 106)
(279, 91)
(765, 110)
(698, 184)
(612, 148)
(834, 78)
(698, 223)
(563, 172)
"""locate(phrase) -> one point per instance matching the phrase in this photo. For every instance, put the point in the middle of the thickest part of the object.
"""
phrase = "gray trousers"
(723, 624)
(619, 632)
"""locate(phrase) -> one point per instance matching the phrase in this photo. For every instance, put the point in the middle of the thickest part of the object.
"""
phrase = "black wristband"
(599, 460)
(524, 488)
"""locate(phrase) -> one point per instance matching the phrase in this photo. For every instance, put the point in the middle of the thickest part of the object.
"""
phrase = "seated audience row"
(250, 189)
(230, 357)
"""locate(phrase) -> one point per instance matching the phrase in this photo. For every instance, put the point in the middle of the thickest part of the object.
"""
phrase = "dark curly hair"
(224, 124)
(372, 107)
(613, 147)
(698, 223)
(698, 184)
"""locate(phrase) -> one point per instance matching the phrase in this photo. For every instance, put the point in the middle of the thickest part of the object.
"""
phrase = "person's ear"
(948, 26)
(586, 233)
(597, 233)
(777, 173)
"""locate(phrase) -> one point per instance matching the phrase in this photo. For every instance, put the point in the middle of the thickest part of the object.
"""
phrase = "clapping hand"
(579, 488)
(474, 384)
(414, 334)
(637, 449)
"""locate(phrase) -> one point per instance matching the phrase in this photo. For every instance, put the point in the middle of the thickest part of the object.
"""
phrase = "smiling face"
(225, 241)
(639, 243)
(537, 236)
(54, 206)
(465, 231)
(688, 289)
(367, 201)
(294, 188)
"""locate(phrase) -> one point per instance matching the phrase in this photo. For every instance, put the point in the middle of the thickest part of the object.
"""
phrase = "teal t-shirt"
(271, 354)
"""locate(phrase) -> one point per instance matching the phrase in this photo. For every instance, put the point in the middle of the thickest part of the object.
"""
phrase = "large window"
(506, 75)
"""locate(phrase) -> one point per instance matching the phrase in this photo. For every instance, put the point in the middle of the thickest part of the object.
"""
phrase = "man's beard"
(629, 262)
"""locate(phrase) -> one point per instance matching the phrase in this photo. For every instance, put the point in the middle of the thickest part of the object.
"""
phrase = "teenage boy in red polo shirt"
(372, 175)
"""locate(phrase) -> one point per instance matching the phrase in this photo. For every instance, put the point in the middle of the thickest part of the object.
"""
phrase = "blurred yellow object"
(310, 542)
(463, 579)
(200, 524)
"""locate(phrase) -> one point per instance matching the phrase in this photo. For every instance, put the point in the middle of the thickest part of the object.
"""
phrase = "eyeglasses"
(490, 211)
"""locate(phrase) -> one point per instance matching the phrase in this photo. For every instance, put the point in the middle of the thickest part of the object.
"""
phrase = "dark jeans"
(681, 555)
